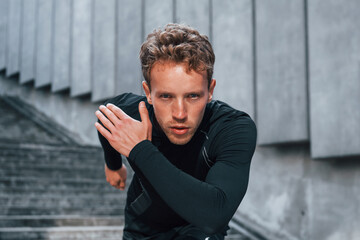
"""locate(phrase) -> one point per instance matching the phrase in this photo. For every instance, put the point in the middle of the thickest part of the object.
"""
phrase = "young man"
(191, 155)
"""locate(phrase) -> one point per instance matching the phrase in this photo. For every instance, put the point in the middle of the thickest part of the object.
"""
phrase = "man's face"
(179, 98)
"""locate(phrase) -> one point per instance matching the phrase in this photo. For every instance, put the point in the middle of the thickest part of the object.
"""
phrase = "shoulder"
(220, 114)
(229, 128)
(128, 102)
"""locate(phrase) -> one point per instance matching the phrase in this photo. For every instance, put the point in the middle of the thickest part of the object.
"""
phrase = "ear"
(211, 89)
(147, 91)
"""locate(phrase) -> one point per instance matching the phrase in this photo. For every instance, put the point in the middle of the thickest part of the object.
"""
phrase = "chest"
(191, 158)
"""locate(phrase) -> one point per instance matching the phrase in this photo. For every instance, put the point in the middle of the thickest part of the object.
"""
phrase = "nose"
(179, 112)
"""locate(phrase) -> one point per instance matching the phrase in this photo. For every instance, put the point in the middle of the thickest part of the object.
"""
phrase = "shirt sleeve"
(208, 204)
(112, 157)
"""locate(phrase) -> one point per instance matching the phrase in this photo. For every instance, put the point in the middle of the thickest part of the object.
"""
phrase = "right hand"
(116, 178)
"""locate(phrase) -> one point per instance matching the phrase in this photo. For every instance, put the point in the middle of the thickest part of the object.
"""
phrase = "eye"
(165, 96)
(194, 96)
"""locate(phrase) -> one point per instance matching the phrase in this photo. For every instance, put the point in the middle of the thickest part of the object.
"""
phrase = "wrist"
(112, 168)
(137, 148)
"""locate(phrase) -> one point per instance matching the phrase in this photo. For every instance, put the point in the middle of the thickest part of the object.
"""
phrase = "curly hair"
(180, 44)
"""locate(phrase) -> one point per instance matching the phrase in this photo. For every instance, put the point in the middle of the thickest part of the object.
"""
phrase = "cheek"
(197, 112)
(161, 112)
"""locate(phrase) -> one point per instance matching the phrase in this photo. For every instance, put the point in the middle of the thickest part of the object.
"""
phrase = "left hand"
(122, 131)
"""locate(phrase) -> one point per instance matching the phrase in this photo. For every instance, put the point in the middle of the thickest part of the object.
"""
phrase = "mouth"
(179, 130)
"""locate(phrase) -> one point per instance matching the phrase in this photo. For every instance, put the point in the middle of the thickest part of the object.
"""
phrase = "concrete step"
(19, 222)
(60, 221)
(86, 210)
(60, 202)
(11, 146)
(237, 237)
(38, 181)
(238, 231)
(41, 163)
(65, 190)
(25, 149)
(51, 154)
(55, 173)
(63, 233)
(63, 187)
(69, 166)
(63, 154)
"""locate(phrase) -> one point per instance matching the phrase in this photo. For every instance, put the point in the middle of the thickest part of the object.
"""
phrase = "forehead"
(176, 76)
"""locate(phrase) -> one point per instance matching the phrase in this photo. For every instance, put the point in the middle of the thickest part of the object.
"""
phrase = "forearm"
(207, 204)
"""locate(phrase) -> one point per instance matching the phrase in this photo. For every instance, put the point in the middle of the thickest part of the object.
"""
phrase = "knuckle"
(127, 121)
(118, 124)
(117, 110)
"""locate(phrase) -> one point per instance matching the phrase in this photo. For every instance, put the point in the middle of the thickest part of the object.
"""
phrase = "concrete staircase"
(50, 189)
(57, 193)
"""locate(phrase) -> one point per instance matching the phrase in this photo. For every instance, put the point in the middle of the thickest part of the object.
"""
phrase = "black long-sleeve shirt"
(201, 182)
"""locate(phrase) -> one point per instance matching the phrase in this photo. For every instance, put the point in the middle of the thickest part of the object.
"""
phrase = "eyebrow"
(200, 92)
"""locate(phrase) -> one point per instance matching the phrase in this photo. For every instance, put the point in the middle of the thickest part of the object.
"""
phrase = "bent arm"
(208, 204)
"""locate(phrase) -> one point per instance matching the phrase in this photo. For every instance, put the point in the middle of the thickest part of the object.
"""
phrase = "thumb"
(122, 185)
(144, 114)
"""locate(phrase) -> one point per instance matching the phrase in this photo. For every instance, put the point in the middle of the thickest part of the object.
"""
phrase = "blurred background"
(294, 66)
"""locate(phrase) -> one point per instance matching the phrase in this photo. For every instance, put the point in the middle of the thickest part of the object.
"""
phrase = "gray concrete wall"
(277, 197)
(13, 37)
(334, 38)
(232, 41)
(3, 32)
(157, 13)
(44, 40)
(198, 16)
(28, 41)
(80, 65)
(103, 49)
(281, 71)
(291, 196)
(129, 39)
(61, 45)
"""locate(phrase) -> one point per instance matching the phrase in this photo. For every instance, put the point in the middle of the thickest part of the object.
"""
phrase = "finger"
(117, 111)
(115, 184)
(104, 120)
(106, 134)
(122, 185)
(114, 119)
